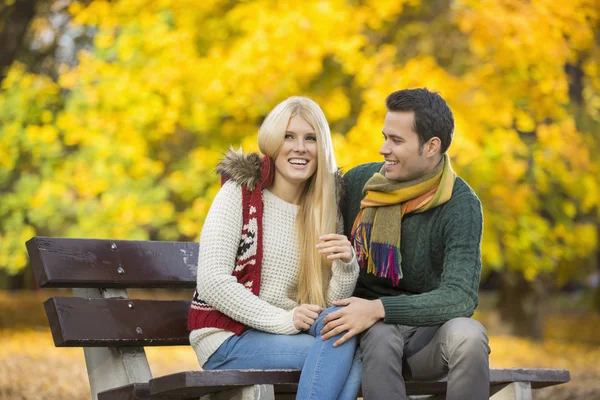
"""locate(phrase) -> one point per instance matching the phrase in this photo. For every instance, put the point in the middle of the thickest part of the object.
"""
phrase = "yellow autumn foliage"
(123, 144)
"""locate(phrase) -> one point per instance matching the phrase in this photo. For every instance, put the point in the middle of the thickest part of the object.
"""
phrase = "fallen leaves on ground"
(32, 368)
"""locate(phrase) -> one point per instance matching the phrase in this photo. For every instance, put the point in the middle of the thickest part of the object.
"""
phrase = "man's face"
(404, 160)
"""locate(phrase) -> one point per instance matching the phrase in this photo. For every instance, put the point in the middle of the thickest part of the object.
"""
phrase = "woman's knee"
(318, 324)
(328, 311)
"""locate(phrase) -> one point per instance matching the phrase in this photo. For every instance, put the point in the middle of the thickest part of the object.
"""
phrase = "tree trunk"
(521, 304)
(596, 279)
(14, 20)
(596, 299)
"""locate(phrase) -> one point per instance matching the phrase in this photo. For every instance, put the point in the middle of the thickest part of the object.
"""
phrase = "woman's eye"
(288, 136)
(312, 138)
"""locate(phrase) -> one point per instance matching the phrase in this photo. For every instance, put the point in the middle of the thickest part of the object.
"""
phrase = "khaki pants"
(457, 349)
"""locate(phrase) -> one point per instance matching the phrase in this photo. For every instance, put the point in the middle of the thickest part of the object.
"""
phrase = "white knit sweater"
(271, 311)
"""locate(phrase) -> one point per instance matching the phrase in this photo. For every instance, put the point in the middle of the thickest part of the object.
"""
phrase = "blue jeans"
(327, 372)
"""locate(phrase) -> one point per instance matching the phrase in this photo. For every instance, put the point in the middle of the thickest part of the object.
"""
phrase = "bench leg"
(110, 367)
(256, 392)
(511, 391)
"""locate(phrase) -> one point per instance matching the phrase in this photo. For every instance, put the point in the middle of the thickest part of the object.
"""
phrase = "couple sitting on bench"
(355, 282)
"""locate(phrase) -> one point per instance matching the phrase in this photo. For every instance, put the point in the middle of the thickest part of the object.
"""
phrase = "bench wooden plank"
(100, 263)
(413, 388)
(135, 391)
(80, 322)
(539, 377)
(193, 384)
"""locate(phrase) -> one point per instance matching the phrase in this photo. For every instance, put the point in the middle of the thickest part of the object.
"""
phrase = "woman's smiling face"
(297, 161)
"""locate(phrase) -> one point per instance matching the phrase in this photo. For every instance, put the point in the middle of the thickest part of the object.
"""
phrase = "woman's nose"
(299, 146)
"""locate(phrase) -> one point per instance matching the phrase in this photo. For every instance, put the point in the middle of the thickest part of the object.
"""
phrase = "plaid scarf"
(249, 254)
(377, 227)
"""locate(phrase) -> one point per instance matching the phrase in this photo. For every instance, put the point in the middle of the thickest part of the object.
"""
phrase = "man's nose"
(384, 150)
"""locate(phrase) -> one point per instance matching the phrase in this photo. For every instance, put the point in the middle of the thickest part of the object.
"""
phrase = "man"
(416, 229)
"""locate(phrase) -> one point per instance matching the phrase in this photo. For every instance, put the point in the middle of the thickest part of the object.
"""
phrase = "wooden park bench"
(113, 329)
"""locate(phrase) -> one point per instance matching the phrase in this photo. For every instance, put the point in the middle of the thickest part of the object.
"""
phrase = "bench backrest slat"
(100, 263)
(79, 322)
(540, 377)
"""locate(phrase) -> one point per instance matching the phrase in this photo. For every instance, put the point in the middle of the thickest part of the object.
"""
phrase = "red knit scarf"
(249, 255)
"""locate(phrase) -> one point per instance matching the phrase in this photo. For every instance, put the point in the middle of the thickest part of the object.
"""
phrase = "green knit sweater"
(441, 257)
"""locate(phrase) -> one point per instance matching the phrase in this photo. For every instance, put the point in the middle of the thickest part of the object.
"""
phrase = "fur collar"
(245, 170)
(241, 168)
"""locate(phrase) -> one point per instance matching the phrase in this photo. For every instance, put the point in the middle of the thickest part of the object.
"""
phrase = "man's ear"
(432, 146)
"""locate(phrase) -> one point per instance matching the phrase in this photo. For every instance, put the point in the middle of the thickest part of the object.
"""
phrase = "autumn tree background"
(113, 115)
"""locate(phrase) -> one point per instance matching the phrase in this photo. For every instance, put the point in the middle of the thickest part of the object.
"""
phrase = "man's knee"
(380, 342)
(466, 335)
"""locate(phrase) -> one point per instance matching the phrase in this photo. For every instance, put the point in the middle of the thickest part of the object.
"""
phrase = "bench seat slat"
(192, 384)
(134, 391)
(196, 383)
(539, 377)
(80, 322)
(99, 263)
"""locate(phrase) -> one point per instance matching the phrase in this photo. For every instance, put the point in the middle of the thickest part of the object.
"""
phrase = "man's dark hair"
(433, 117)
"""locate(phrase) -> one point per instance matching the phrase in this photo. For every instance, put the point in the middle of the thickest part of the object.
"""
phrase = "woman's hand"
(336, 246)
(305, 315)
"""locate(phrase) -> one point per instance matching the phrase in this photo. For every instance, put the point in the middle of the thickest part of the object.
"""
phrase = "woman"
(270, 261)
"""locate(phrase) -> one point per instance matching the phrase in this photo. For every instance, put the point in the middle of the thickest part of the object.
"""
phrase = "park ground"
(32, 368)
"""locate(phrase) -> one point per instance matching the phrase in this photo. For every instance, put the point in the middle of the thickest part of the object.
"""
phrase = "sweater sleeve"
(457, 294)
(343, 276)
(216, 285)
(343, 280)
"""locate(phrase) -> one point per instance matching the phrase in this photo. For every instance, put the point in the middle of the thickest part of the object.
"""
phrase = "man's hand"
(336, 247)
(358, 315)
(305, 315)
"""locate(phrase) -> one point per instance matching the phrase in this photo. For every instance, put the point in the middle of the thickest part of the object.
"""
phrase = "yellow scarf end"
(371, 267)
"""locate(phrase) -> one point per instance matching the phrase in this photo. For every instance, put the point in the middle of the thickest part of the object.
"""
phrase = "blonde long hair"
(318, 207)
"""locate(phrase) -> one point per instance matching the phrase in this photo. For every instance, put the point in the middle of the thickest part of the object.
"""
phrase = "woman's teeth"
(298, 161)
